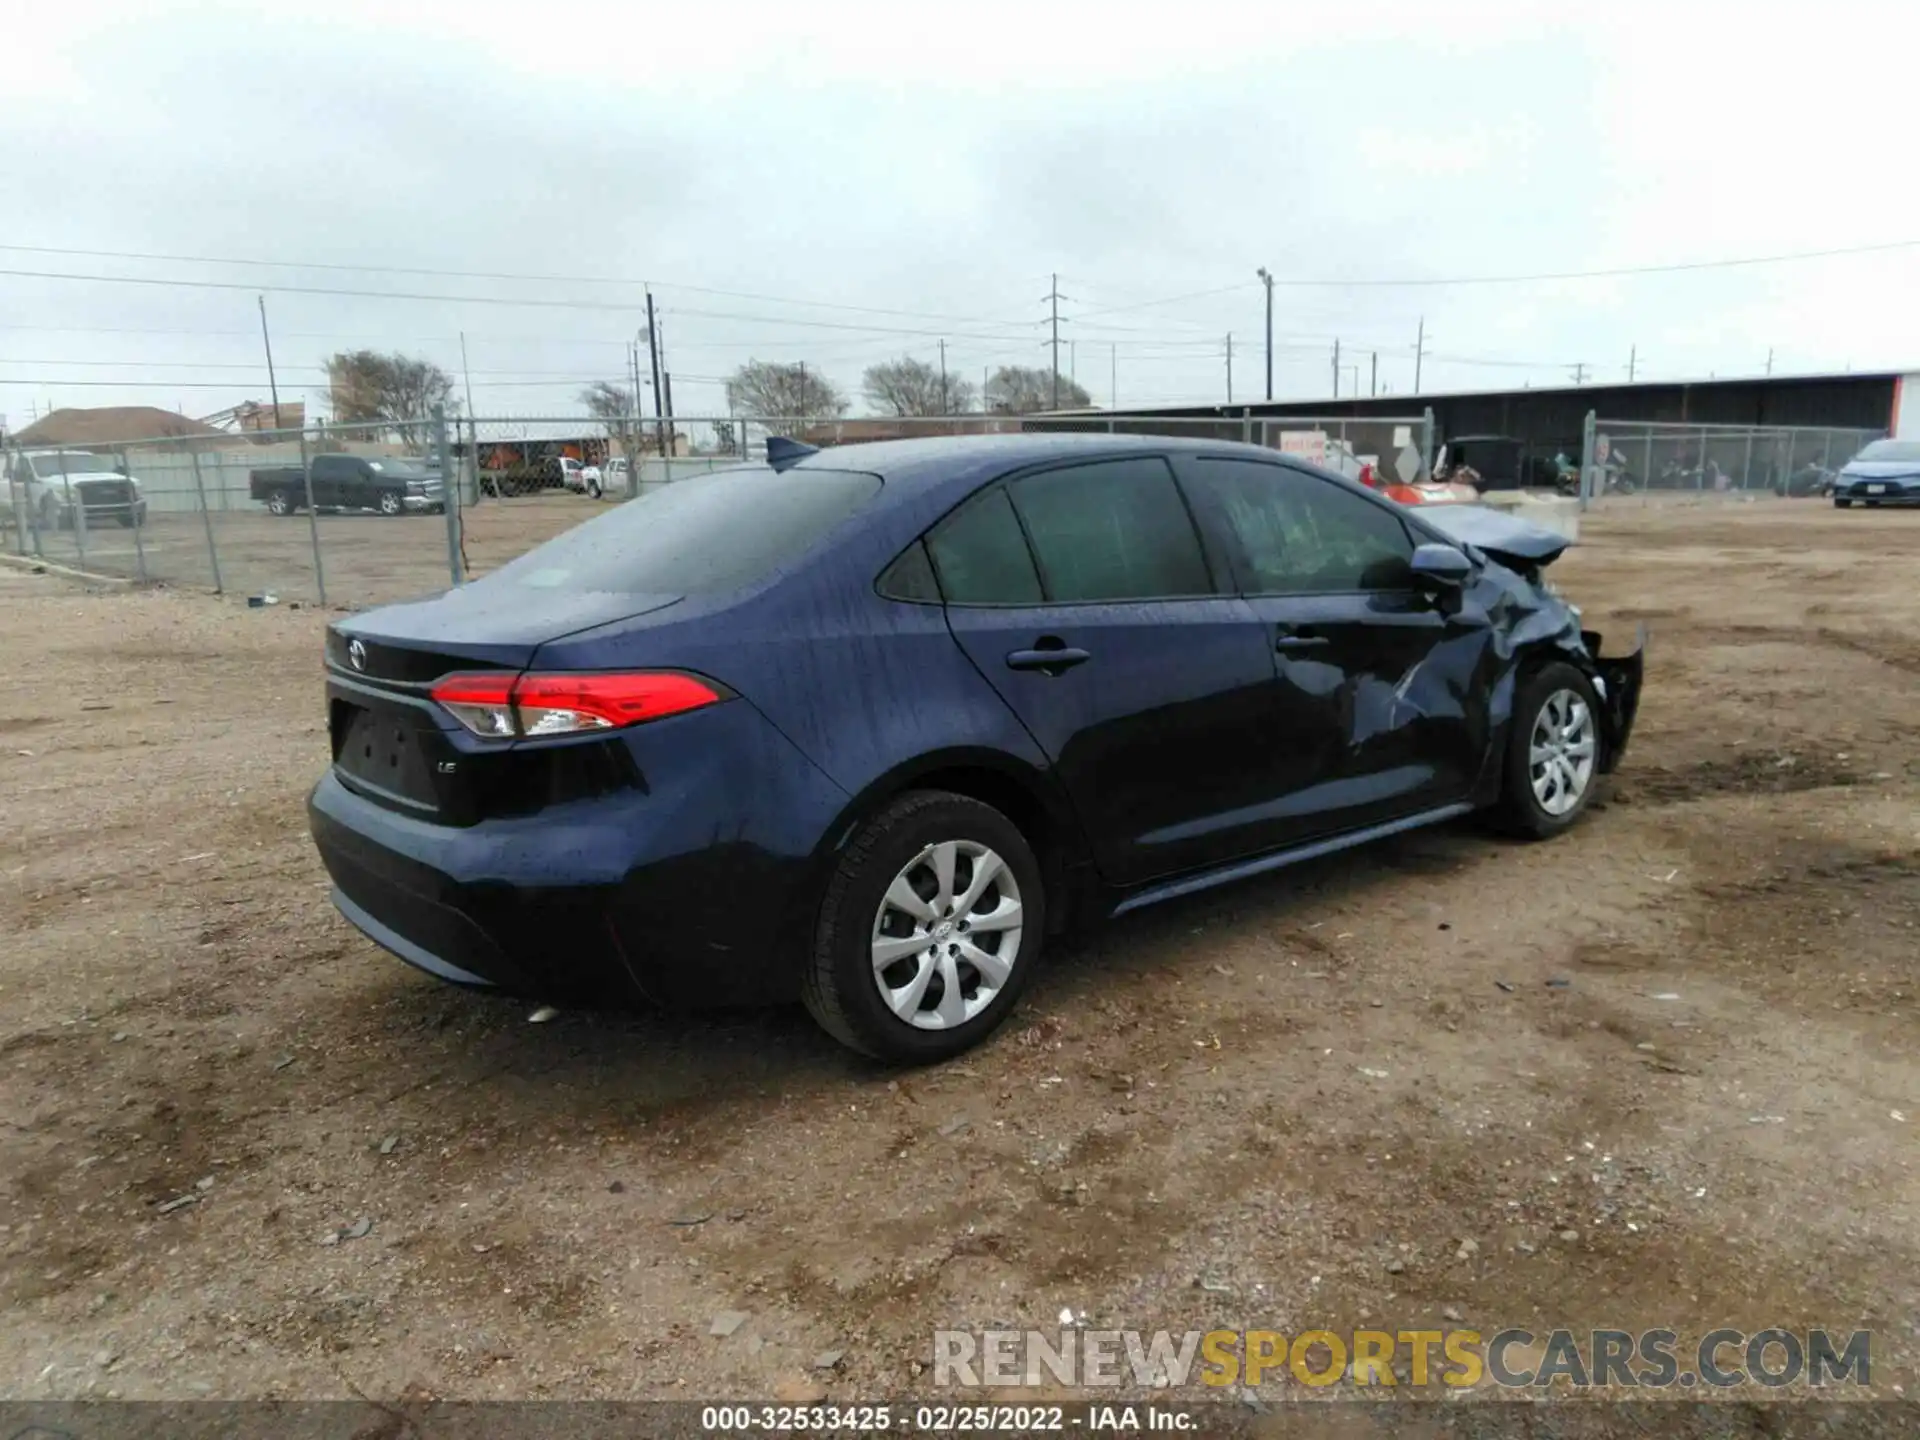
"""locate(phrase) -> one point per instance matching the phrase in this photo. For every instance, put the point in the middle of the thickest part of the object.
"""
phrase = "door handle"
(1054, 661)
(1287, 638)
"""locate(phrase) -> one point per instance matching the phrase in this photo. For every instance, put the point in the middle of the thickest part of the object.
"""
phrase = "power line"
(536, 302)
(446, 274)
(1675, 267)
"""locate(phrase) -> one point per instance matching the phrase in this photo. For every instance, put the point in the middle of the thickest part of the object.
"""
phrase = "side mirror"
(1440, 567)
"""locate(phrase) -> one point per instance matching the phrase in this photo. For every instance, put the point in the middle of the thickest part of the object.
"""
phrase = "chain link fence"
(1644, 463)
(354, 515)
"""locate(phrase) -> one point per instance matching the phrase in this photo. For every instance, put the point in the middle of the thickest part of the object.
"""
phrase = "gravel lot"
(1283, 1105)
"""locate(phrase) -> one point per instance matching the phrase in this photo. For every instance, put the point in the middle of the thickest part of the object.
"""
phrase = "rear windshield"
(700, 536)
(1903, 450)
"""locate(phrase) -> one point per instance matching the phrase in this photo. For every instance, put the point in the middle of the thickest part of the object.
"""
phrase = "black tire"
(594, 490)
(1840, 503)
(390, 503)
(1519, 810)
(838, 984)
(279, 504)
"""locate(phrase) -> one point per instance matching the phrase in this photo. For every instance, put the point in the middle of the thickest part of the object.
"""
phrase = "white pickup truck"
(51, 489)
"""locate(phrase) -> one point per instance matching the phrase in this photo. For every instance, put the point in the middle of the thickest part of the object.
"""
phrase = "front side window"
(1113, 530)
(1298, 534)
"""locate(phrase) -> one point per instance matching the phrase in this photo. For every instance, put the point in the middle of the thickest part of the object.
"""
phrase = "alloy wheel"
(947, 935)
(1561, 752)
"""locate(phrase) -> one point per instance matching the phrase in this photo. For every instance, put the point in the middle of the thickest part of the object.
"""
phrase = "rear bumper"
(686, 891)
(424, 504)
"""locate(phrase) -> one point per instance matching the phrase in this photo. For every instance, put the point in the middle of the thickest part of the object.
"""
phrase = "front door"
(1380, 690)
(1084, 597)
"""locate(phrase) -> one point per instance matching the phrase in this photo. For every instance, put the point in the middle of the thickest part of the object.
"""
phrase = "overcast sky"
(840, 183)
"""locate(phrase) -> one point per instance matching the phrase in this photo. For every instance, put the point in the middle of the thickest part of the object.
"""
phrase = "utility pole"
(945, 408)
(465, 372)
(1633, 362)
(1267, 280)
(653, 355)
(1336, 369)
(1054, 297)
(1229, 367)
(1113, 375)
(1373, 382)
(1419, 353)
(1580, 373)
(1073, 361)
(1769, 360)
(273, 386)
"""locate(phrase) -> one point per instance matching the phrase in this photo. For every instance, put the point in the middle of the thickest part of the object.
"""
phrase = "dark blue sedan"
(865, 725)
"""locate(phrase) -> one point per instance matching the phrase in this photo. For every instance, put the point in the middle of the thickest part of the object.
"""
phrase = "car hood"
(1880, 470)
(1506, 539)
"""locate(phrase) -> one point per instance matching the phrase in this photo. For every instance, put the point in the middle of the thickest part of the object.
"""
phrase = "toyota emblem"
(357, 655)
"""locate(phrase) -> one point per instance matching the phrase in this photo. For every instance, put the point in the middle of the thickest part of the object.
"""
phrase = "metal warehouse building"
(1553, 419)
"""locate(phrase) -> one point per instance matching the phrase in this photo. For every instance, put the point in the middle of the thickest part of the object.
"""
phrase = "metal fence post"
(1426, 442)
(1700, 470)
(135, 516)
(76, 512)
(1646, 473)
(1746, 465)
(206, 519)
(313, 520)
(1826, 452)
(16, 501)
(1588, 430)
(449, 494)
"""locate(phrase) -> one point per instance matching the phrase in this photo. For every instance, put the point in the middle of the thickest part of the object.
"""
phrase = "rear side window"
(701, 536)
(982, 557)
(1113, 530)
(911, 578)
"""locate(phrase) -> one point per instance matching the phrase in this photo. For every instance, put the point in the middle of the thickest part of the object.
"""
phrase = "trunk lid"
(475, 626)
(392, 744)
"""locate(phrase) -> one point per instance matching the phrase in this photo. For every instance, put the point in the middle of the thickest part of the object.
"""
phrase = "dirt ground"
(1660, 1072)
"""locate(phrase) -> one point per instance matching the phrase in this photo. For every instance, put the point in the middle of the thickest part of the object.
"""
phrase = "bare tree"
(1021, 390)
(912, 387)
(783, 392)
(612, 405)
(400, 390)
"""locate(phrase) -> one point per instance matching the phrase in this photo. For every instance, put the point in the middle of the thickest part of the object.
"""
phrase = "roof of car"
(943, 457)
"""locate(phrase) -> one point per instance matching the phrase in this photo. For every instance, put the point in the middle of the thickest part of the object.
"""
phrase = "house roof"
(109, 425)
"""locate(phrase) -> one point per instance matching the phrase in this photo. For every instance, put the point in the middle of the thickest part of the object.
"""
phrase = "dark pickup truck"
(348, 482)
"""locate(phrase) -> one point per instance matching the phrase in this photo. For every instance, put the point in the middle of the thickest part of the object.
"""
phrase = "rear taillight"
(1368, 478)
(501, 707)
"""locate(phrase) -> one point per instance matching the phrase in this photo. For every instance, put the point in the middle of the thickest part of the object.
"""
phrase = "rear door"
(1380, 706)
(1084, 595)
